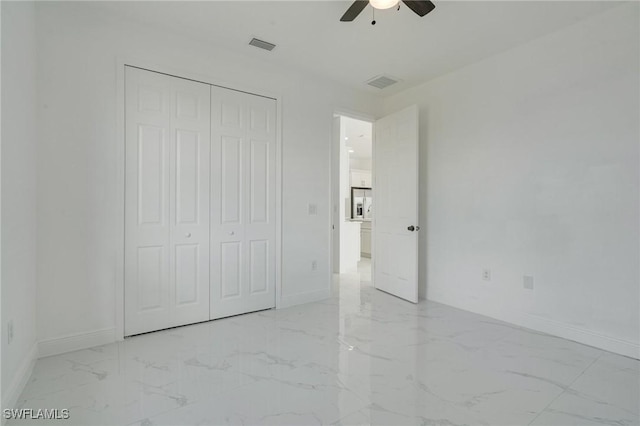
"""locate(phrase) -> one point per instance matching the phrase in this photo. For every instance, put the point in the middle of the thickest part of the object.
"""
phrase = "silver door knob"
(411, 228)
(232, 233)
(188, 235)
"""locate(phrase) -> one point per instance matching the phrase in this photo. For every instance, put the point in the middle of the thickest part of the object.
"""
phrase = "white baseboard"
(552, 327)
(76, 342)
(20, 379)
(299, 299)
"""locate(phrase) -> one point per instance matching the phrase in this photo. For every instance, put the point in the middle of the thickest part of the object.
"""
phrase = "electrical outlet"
(313, 209)
(486, 274)
(314, 265)
(10, 331)
(527, 282)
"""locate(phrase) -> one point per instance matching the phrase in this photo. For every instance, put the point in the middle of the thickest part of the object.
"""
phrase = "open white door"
(395, 226)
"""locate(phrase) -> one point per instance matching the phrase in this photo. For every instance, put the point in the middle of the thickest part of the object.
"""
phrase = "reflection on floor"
(361, 357)
(356, 279)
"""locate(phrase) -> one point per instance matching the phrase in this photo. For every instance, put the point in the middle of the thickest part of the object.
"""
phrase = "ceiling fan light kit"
(419, 7)
(384, 4)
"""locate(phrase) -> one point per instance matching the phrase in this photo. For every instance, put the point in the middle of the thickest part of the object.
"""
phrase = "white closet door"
(243, 203)
(167, 138)
(190, 198)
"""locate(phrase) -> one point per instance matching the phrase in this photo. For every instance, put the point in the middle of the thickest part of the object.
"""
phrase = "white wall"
(77, 158)
(529, 165)
(18, 194)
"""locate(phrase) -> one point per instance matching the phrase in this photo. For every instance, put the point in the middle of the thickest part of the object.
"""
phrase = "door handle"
(413, 228)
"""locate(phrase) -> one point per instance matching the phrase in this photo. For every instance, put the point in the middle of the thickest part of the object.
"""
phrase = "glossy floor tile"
(362, 357)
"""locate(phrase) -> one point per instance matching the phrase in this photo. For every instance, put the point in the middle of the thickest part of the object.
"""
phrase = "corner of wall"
(549, 326)
(301, 298)
(19, 98)
(75, 342)
(20, 379)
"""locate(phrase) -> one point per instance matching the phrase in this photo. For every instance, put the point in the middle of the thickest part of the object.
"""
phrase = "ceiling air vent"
(382, 81)
(262, 44)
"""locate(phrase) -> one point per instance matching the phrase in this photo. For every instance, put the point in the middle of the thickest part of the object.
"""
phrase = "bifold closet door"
(243, 134)
(167, 194)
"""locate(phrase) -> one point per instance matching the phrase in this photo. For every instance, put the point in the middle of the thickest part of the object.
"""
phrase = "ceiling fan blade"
(354, 10)
(421, 7)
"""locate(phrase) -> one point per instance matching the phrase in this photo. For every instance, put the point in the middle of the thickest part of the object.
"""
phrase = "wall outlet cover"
(527, 282)
(486, 274)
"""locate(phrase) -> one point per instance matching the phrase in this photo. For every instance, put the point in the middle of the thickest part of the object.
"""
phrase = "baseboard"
(552, 327)
(76, 342)
(299, 299)
(20, 379)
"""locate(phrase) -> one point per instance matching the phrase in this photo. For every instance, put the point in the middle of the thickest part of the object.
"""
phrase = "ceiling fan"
(420, 7)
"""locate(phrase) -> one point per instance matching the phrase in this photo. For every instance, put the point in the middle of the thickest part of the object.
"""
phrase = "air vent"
(382, 81)
(262, 44)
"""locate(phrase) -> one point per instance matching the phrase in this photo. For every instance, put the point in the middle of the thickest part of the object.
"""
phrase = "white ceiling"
(309, 36)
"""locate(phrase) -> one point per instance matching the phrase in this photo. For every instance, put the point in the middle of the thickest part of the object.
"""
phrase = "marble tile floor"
(360, 358)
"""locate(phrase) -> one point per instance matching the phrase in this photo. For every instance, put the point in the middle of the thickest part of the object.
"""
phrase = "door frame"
(335, 176)
(121, 63)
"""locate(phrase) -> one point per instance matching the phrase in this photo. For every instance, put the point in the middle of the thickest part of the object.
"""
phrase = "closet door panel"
(187, 271)
(231, 271)
(147, 243)
(243, 203)
(151, 175)
(190, 198)
(152, 295)
(188, 182)
(227, 201)
(259, 182)
(167, 154)
(260, 193)
(231, 179)
(259, 267)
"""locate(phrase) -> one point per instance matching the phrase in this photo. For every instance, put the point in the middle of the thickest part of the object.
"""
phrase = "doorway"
(390, 215)
(353, 197)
